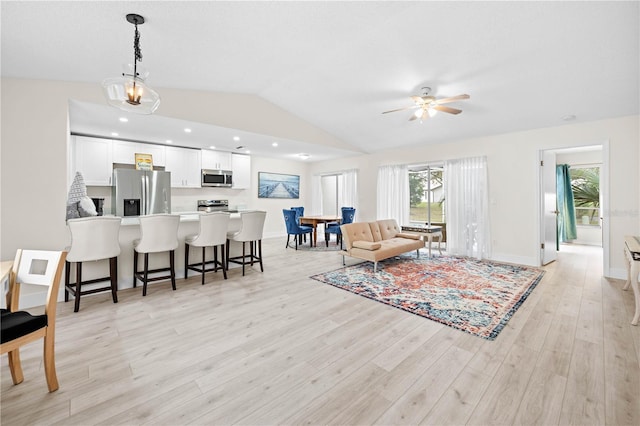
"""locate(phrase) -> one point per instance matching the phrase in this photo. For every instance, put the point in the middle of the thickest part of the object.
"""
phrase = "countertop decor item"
(130, 92)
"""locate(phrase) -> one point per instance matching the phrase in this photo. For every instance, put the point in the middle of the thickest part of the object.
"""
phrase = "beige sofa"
(375, 241)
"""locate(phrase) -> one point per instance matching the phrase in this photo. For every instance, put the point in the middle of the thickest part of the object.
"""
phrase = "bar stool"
(158, 233)
(213, 233)
(251, 232)
(92, 238)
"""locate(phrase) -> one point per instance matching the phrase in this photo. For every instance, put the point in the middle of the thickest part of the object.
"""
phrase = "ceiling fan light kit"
(130, 92)
(428, 106)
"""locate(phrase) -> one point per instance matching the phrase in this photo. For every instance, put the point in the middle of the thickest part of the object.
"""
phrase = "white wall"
(33, 185)
(513, 162)
(33, 176)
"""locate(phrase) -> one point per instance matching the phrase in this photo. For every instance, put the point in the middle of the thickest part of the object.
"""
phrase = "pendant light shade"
(130, 92)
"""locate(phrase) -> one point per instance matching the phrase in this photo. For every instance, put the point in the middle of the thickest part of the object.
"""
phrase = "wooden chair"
(20, 327)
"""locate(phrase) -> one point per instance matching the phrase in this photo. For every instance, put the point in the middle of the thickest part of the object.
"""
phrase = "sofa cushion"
(375, 231)
(388, 228)
(367, 245)
(357, 231)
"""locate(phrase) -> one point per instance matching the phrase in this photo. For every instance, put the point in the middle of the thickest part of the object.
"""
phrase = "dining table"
(315, 220)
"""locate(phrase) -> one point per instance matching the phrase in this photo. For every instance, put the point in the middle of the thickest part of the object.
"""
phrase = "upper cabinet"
(216, 160)
(184, 165)
(241, 167)
(124, 152)
(93, 159)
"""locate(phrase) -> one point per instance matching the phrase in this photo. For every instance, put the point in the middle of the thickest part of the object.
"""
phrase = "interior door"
(549, 208)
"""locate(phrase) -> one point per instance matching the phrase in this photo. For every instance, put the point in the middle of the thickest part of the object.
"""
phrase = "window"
(331, 194)
(426, 196)
(585, 184)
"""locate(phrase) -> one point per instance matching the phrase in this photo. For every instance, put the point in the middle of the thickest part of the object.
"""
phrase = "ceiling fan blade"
(418, 100)
(401, 109)
(452, 99)
(447, 109)
(413, 117)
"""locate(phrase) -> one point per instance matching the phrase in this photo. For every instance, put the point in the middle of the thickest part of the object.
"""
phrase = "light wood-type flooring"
(280, 348)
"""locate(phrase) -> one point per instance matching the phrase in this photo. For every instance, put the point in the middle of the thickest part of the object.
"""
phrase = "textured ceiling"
(338, 65)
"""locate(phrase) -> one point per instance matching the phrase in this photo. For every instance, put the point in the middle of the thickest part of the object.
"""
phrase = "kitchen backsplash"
(184, 200)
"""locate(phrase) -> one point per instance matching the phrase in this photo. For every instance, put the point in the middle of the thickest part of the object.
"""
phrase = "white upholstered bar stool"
(158, 233)
(213, 233)
(251, 232)
(92, 239)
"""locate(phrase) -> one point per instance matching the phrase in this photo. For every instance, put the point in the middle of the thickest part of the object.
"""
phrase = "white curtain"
(467, 207)
(316, 195)
(393, 193)
(349, 190)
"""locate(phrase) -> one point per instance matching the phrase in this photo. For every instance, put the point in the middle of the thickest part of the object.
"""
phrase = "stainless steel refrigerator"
(139, 192)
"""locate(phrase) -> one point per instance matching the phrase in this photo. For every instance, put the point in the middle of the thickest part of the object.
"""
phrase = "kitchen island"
(130, 231)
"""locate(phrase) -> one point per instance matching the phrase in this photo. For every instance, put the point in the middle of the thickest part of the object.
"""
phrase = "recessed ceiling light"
(212, 147)
(236, 138)
(304, 156)
(169, 141)
(569, 117)
(248, 152)
(114, 133)
(274, 144)
(123, 119)
(187, 130)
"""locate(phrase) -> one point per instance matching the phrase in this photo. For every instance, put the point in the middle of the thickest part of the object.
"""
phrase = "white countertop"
(191, 216)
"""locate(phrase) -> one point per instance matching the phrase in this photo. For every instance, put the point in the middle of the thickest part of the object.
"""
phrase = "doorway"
(593, 230)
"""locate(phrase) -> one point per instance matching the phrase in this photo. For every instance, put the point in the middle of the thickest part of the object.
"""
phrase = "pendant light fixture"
(129, 92)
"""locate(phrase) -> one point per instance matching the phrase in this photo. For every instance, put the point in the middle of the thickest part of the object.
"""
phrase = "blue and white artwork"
(276, 185)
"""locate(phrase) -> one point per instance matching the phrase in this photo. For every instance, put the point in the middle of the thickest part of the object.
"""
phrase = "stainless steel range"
(214, 206)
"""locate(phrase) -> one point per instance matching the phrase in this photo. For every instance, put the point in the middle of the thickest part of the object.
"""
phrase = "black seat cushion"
(18, 324)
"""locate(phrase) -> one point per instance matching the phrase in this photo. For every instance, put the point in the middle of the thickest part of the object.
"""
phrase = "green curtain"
(566, 210)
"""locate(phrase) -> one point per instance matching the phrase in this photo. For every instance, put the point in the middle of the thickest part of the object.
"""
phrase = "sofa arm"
(367, 245)
(410, 236)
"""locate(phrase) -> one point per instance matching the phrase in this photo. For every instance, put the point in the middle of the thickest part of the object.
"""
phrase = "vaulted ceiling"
(339, 65)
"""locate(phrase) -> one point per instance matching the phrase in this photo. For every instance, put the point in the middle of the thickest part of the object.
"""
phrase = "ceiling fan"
(427, 106)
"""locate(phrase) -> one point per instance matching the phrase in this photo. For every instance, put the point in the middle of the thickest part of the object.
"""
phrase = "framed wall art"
(277, 185)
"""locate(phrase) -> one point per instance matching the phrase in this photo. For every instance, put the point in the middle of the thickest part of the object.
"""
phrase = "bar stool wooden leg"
(67, 280)
(135, 267)
(223, 263)
(186, 260)
(76, 306)
(243, 257)
(203, 265)
(146, 274)
(172, 264)
(113, 271)
(260, 254)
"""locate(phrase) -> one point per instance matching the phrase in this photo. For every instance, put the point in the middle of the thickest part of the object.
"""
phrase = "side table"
(427, 232)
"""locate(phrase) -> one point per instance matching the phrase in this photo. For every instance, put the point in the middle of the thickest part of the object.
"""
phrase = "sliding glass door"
(426, 195)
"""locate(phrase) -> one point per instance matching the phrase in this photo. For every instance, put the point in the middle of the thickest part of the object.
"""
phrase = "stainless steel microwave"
(217, 178)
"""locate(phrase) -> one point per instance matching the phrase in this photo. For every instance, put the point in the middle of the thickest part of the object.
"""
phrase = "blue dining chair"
(293, 228)
(348, 214)
(300, 213)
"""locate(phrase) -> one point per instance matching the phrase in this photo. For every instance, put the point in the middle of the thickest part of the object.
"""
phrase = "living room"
(34, 159)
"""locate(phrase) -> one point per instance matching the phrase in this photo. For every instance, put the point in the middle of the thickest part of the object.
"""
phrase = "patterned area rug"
(478, 297)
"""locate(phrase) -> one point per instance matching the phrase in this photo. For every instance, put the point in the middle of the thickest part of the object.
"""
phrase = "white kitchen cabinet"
(184, 165)
(93, 159)
(241, 167)
(124, 152)
(216, 160)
